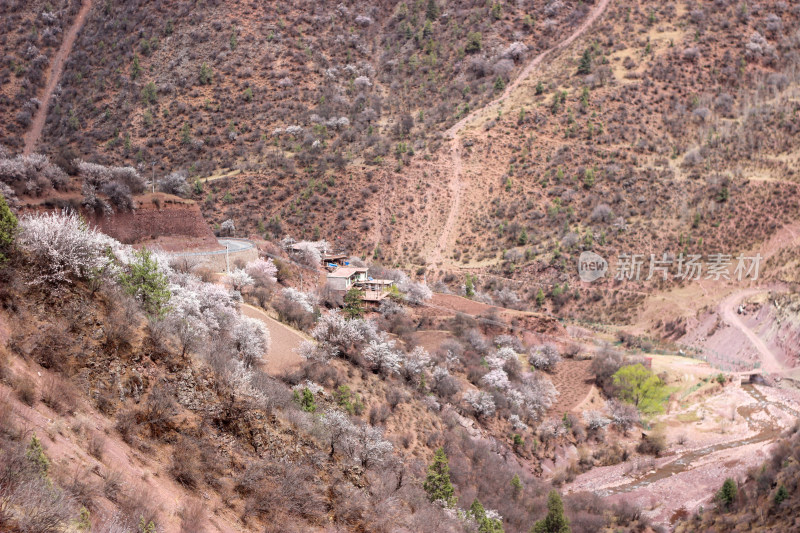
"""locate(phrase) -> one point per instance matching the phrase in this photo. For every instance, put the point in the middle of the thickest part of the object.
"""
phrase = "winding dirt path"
(55, 69)
(283, 341)
(727, 310)
(456, 182)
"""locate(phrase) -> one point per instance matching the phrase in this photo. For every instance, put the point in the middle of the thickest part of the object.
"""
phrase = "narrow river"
(767, 430)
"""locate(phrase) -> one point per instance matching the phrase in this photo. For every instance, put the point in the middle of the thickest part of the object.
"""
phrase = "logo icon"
(591, 267)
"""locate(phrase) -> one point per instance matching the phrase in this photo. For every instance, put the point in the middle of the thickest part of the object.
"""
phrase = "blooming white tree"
(208, 302)
(35, 171)
(227, 227)
(305, 300)
(414, 364)
(517, 423)
(314, 388)
(481, 402)
(240, 378)
(534, 396)
(251, 339)
(239, 279)
(337, 333)
(315, 352)
(383, 356)
(262, 271)
(371, 447)
(551, 428)
(508, 341)
(506, 297)
(185, 319)
(174, 183)
(624, 415)
(389, 307)
(506, 353)
(544, 357)
(340, 431)
(416, 293)
(310, 252)
(496, 379)
(63, 246)
(595, 420)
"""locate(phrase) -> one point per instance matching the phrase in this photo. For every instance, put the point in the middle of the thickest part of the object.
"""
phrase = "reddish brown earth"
(171, 216)
(573, 381)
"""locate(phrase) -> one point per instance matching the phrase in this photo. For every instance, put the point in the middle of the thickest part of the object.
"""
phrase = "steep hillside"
(32, 33)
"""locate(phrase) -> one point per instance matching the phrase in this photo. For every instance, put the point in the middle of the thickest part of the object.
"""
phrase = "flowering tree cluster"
(306, 301)
(624, 415)
(307, 252)
(99, 175)
(415, 363)
(227, 227)
(116, 183)
(481, 402)
(544, 357)
(595, 420)
(361, 442)
(174, 183)
(496, 378)
(551, 428)
(31, 174)
(536, 394)
(262, 271)
(415, 293)
(383, 356)
(63, 247)
(508, 341)
(239, 279)
(251, 339)
(337, 336)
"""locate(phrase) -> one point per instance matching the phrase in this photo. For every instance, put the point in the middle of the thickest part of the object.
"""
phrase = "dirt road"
(283, 341)
(456, 182)
(727, 310)
(53, 77)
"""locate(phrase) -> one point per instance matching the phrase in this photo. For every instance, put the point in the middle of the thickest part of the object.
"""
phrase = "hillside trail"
(727, 307)
(456, 183)
(55, 69)
(728, 311)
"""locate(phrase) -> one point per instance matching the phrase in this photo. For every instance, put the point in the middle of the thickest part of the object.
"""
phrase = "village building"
(345, 278)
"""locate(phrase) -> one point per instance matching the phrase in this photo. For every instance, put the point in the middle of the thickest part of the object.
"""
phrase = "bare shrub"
(59, 395)
(159, 411)
(137, 504)
(119, 195)
(604, 365)
(112, 485)
(184, 466)
(652, 444)
(284, 486)
(26, 391)
(96, 445)
(378, 414)
(193, 516)
(174, 183)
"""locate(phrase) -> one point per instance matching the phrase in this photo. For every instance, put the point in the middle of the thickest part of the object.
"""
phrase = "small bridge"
(751, 376)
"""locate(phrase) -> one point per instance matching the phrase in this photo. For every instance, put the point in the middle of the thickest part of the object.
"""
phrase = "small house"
(334, 261)
(342, 279)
